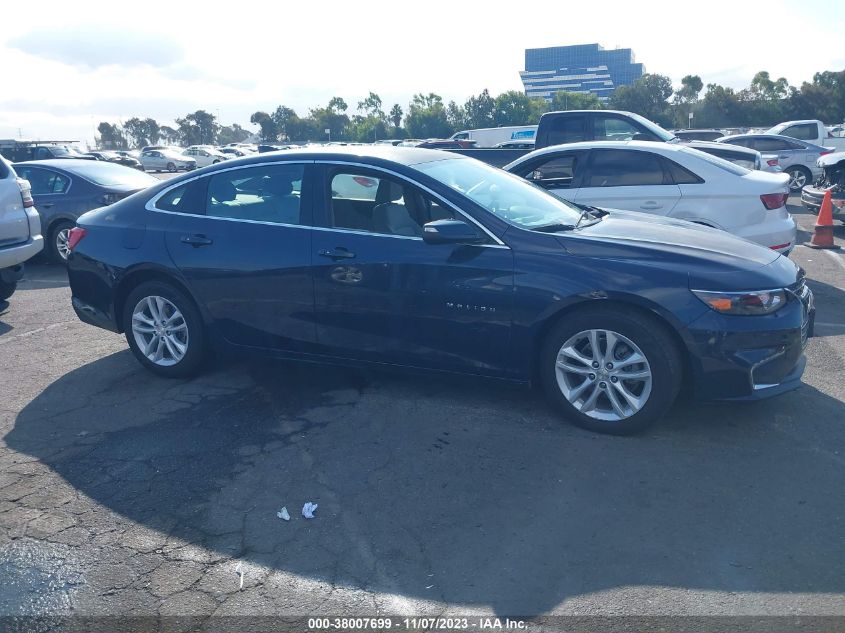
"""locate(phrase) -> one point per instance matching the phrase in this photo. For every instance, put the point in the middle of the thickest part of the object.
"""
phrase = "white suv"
(20, 228)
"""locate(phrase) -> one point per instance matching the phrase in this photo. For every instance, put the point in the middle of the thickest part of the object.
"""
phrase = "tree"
(517, 108)
(198, 128)
(232, 134)
(168, 135)
(686, 97)
(647, 97)
(153, 130)
(267, 127)
(372, 106)
(137, 131)
(111, 137)
(332, 118)
(720, 107)
(426, 117)
(479, 111)
(563, 100)
(455, 116)
(396, 115)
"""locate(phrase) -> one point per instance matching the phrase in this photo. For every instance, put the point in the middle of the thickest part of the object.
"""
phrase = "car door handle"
(196, 240)
(338, 253)
(45, 205)
(650, 206)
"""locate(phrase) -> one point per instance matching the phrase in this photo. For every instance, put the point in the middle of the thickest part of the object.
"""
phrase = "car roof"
(56, 163)
(715, 145)
(633, 145)
(401, 155)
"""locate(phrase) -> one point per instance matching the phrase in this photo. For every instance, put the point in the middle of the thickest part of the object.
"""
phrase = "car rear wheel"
(171, 167)
(610, 372)
(58, 245)
(798, 177)
(164, 330)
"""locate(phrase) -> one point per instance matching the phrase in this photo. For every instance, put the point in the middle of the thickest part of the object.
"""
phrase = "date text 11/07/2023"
(416, 624)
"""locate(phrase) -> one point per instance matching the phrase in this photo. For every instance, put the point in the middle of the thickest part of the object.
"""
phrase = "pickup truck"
(812, 131)
(572, 126)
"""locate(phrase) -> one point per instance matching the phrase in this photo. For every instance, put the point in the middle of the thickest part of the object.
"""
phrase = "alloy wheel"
(160, 330)
(797, 179)
(62, 243)
(604, 375)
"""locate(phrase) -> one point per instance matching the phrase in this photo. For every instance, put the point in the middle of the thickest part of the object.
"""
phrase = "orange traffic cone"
(823, 235)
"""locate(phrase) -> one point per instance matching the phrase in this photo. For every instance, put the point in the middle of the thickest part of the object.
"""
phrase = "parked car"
(810, 130)
(698, 135)
(453, 265)
(797, 158)
(833, 180)
(739, 155)
(115, 157)
(20, 228)
(529, 145)
(233, 152)
(131, 153)
(667, 179)
(166, 160)
(65, 189)
(205, 156)
(16, 151)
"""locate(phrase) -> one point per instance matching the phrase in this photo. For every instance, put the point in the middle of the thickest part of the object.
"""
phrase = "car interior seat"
(391, 217)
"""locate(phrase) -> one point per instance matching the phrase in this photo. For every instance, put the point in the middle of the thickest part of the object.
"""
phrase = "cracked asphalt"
(126, 494)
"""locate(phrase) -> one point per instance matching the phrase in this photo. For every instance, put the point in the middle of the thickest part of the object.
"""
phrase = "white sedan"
(205, 156)
(165, 160)
(666, 179)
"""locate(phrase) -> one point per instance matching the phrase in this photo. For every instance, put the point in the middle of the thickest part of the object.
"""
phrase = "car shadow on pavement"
(445, 489)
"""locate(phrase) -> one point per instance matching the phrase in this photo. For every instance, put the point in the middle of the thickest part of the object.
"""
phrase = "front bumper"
(811, 198)
(751, 358)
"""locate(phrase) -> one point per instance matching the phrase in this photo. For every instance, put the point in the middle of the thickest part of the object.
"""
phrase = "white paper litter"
(283, 514)
(241, 574)
(308, 510)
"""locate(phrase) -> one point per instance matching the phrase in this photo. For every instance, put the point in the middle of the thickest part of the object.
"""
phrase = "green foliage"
(647, 96)
(563, 100)
(198, 128)
(268, 131)
(426, 117)
(232, 134)
(111, 137)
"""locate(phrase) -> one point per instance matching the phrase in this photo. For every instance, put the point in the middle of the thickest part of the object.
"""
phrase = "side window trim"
(306, 202)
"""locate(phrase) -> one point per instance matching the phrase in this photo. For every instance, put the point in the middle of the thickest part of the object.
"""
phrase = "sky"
(69, 65)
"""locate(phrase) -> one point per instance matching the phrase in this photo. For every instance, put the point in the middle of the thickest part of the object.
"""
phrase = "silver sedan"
(165, 160)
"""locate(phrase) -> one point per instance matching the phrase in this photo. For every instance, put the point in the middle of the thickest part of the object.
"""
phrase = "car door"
(558, 171)
(242, 240)
(383, 294)
(55, 195)
(633, 180)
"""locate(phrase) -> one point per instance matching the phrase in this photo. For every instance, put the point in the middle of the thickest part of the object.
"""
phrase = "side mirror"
(450, 232)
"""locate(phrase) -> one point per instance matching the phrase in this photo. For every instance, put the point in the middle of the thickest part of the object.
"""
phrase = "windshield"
(727, 165)
(655, 129)
(111, 174)
(504, 195)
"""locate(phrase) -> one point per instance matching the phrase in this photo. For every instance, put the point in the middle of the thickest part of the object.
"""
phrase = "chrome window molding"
(150, 205)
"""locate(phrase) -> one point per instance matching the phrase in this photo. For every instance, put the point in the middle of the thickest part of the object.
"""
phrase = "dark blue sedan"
(63, 189)
(415, 258)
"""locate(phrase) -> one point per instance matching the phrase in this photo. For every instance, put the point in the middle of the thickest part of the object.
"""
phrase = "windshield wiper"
(554, 227)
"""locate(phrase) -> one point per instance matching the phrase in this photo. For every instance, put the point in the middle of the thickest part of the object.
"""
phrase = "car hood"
(712, 258)
(830, 159)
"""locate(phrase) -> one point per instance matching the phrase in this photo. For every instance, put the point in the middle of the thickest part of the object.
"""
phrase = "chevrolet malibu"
(419, 259)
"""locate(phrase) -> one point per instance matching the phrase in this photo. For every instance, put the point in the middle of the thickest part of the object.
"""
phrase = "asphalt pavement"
(124, 493)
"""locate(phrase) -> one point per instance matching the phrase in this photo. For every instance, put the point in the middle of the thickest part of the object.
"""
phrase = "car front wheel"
(609, 371)
(171, 167)
(164, 330)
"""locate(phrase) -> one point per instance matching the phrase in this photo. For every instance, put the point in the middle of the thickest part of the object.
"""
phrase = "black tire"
(798, 169)
(215, 162)
(192, 361)
(647, 333)
(53, 251)
(171, 168)
(7, 289)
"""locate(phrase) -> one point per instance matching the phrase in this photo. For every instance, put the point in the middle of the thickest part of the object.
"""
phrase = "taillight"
(772, 162)
(26, 193)
(825, 152)
(75, 236)
(774, 200)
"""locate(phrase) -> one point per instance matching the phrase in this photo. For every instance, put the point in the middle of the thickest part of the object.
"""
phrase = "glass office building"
(582, 68)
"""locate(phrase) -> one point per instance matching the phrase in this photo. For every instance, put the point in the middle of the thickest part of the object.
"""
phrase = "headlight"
(752, 302)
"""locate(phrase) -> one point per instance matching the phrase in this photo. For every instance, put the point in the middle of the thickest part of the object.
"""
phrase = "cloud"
(98, 46)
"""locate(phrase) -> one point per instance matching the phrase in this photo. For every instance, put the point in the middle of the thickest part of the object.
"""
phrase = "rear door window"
(610, 128)
(267, 193)
(44, 181)
(621, 168)
(802, 131)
